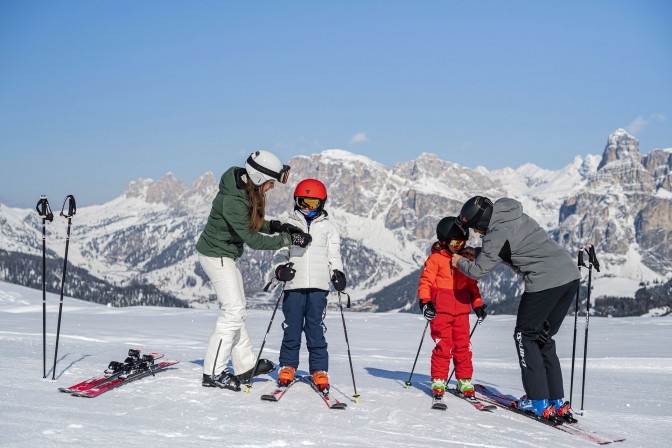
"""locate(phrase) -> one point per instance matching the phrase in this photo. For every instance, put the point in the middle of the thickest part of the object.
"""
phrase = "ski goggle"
(457, 244)
(308, 203)
(283, 175)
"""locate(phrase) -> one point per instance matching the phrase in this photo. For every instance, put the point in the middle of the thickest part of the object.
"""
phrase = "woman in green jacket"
(237, 217)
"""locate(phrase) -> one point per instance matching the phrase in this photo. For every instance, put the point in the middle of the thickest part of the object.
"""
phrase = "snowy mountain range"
(621, 202)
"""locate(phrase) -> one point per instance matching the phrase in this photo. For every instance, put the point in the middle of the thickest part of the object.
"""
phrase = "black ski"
(507, 402)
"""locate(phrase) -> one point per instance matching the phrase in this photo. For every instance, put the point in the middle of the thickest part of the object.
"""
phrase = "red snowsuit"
(454, 295)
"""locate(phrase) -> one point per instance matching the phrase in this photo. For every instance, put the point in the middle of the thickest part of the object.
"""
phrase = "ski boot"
(224, 381)
(263, 366)
(321, 380)
(286, 376)
(465, 387)
(563, 410)
(540, 408)
(438, 387)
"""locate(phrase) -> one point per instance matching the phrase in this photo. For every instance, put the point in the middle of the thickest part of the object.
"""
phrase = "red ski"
(134, 357)
(279, 392)
(123, 379)
(331, 402)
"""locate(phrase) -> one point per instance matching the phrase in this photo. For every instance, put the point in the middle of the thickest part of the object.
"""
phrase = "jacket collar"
(437, 249)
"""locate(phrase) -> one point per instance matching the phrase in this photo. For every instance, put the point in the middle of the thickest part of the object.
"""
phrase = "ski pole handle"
(43, 209)
(580, 262)
(72, 207)
(592, 258)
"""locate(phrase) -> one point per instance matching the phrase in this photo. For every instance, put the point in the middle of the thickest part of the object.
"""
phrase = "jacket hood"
(505, 209)
(232, 182)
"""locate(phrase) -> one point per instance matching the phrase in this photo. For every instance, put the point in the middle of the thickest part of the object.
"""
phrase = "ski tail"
(330, 401)
(279, 392)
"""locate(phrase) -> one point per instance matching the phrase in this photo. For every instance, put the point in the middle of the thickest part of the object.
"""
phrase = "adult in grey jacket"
(551, 281)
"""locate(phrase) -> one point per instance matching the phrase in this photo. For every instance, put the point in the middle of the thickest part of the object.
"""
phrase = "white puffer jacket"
(316, 263)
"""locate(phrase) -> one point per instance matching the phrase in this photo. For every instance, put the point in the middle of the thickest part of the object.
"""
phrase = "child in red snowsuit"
(446, 299)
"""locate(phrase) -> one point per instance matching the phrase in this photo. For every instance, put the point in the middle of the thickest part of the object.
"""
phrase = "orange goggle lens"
(457, 244)
(308, 203)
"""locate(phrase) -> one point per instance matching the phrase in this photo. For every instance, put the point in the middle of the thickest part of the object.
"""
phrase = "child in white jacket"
(307, 273)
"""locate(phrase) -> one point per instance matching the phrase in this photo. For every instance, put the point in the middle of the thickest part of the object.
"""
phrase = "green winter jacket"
(228, 225)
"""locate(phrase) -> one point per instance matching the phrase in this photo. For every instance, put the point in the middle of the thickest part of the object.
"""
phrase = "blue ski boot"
(540, 408)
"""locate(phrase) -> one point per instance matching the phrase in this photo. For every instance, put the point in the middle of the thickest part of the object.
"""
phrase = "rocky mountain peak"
(659, 163)
(621, 146)
(167, 190)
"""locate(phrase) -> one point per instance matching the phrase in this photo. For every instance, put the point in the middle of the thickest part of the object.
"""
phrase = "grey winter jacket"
(519, 241)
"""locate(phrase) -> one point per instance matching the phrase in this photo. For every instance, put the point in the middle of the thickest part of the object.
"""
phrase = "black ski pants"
(539, 363)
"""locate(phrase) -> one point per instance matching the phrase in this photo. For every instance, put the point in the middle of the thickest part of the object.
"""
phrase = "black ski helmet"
(449, 229)
(476, 213)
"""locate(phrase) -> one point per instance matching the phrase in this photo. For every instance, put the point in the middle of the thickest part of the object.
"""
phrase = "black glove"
(480, 312)
(338, 280)
(277, 227)
(544, 334)
(284, 272)
(301, 239)
(291, 229)
(429, 310)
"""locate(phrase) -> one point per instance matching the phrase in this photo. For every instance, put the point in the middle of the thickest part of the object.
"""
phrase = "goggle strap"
(280, 177)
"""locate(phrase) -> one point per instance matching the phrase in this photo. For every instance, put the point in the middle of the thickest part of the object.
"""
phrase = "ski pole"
(72, 209)
(256, 364)
(408, 383)
(592, 262)
(580, 263)
(345, 330)
(470, 335)
(45, 213)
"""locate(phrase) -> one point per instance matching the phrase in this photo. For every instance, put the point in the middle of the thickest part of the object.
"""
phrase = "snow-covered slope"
(173, 410)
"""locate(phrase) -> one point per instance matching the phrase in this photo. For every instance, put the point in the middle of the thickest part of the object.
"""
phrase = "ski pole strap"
(72, 207)
(592, 258)
(268, 285)
(43, 209)
(346, 294)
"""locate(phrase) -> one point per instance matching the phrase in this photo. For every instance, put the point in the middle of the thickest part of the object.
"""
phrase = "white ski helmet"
(263, 166)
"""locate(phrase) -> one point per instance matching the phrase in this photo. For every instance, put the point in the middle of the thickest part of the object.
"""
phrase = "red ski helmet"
(310, 194)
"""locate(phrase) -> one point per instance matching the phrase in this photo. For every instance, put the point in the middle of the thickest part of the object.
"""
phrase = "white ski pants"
(230, 339)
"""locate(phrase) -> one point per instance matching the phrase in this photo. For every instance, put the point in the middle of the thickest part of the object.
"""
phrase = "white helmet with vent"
(263, 166)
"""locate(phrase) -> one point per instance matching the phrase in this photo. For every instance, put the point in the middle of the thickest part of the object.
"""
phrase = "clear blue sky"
(95, 94)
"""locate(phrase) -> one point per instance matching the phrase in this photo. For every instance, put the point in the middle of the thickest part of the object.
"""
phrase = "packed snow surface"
(628, 382)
